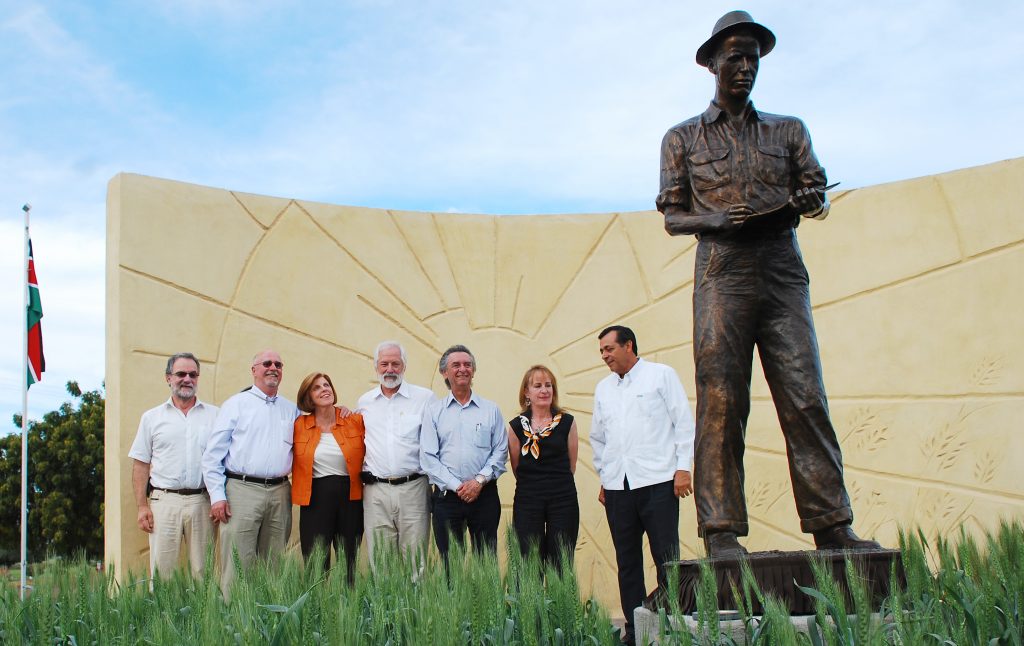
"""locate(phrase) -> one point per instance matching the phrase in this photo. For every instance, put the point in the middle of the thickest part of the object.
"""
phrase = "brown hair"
(303, 400)
(526, 382)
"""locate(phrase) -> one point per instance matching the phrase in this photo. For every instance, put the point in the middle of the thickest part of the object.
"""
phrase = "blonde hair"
(526, 382)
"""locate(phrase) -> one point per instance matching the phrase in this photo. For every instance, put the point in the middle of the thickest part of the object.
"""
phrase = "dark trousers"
(452, 515)
(549, 523)
(331, 518)
(749, 293)
(653, 510)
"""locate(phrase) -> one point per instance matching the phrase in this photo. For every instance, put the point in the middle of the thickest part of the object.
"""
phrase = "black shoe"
(841, 537)
(723, 544)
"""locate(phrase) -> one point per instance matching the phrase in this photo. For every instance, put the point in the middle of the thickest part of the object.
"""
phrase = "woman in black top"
(542, 445)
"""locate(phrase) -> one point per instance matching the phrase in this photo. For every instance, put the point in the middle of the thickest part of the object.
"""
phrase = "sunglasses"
(181, 374)
(276, 364)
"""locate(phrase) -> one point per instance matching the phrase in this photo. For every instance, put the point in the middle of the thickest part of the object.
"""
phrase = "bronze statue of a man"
(741, 180)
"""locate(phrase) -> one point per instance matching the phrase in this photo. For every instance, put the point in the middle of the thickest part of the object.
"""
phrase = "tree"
(65, 488)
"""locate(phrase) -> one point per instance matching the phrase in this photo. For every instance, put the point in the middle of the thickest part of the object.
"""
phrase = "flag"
(36, 362)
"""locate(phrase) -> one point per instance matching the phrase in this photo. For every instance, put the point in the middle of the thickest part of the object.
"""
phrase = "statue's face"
(735, 66)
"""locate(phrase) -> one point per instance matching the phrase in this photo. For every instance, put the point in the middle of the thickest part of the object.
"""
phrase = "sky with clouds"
(531, 106)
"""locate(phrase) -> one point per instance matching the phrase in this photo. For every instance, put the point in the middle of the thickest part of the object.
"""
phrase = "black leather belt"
(369, 478)
(181, 492)
(266, 482)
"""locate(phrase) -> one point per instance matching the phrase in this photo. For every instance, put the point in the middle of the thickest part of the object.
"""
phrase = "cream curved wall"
(915, 285)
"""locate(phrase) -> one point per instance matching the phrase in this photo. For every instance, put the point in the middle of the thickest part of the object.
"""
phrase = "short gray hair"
(442, 365)
(389, 344)
(180, 355)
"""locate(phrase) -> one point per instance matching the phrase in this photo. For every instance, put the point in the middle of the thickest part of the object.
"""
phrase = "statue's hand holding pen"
(809, 201)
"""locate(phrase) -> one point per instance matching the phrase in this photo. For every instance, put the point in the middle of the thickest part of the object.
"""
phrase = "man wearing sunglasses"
(246, 467)
(174, 507)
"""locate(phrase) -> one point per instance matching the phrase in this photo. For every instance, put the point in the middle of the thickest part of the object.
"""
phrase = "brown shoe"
(723, 544)
(841, 537)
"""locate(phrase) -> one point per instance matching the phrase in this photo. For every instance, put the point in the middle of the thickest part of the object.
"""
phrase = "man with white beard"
(174, 506)
(396, 498)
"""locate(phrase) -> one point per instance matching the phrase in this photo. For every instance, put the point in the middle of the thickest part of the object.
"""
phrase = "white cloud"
(448, 105)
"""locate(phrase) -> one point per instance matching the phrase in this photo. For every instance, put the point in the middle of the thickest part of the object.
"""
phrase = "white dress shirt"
(252, 436)
(393, 429)
(643, 429)
(172, 444)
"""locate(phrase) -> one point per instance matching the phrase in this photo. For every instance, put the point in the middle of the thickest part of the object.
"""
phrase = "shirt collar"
(473, 399)
(199, 404)
(309, 419)
(402, 390)
(713, 112)
(259, 393)
(628, 378)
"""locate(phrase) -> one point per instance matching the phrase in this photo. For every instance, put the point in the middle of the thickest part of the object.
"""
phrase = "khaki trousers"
(179, 519)
(397, 517)
(259, 527)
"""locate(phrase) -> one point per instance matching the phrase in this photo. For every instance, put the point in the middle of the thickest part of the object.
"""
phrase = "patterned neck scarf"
(532, 444)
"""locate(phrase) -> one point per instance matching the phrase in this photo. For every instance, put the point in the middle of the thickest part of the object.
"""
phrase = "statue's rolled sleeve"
(807, 172)
(675, 180)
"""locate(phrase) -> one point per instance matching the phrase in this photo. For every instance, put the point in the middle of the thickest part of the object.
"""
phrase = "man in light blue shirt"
(463, 449)
(246, 467)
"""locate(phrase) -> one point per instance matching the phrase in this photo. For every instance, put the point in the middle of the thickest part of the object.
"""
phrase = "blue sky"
(448, 105)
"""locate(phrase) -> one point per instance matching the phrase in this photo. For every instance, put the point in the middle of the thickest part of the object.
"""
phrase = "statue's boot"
(841, 537)
(723, 544)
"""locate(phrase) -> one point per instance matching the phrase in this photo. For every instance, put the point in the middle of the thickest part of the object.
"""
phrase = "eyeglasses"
(181, 374)
(276, 364)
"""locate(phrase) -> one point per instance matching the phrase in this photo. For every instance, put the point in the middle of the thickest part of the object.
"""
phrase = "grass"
(970, 592)
(286, 602)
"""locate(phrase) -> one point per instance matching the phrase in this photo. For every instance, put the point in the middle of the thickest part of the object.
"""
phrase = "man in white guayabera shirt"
(246, 467)
(174, 507)
(396, 498)
(642, 437)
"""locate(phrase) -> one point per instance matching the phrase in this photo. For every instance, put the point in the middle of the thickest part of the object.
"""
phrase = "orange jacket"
(351, 436)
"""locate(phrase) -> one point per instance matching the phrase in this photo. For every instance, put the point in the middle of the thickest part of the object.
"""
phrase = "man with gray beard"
(174, 506)
(396, 498)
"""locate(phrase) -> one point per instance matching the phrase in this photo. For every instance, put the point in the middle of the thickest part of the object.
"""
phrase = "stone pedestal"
(781, 574)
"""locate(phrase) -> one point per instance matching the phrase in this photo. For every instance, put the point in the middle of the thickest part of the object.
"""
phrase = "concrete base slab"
(649, 630)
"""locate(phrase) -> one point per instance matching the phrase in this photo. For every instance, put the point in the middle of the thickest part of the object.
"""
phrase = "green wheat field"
(958, 592)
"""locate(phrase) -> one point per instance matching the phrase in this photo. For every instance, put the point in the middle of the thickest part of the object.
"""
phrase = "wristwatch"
(482, 480)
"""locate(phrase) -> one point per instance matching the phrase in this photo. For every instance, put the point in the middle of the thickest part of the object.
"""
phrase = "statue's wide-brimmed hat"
(729, 23)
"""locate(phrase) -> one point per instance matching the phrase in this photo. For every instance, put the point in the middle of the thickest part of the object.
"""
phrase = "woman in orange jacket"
(329, 453)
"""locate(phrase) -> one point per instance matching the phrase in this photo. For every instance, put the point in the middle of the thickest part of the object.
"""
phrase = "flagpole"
(24, 411)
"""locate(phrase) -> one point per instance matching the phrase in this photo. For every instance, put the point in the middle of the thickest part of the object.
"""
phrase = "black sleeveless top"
(551, 471)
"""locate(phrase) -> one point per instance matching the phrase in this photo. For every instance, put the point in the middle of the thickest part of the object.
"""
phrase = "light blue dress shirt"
(459, 442)
(252, 436)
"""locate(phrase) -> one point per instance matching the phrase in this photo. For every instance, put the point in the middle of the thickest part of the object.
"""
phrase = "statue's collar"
(713, 112)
